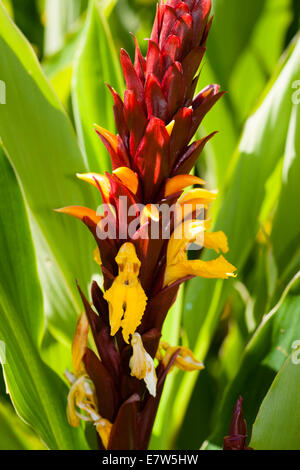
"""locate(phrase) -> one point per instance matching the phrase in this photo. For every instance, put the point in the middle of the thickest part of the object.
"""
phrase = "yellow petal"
(186, 361)
(128, 177)
(97, 256)
(126, 297)
(151, 377)
(189, 231)
(219, 268)
(81, 391)
(136, 302)
(142, 365)
(178, 183)
(94, 178)
(109, 136)
(150, 211)
(138, 364)
(116, 298)
(80, 213)
(203, 196)
(216, 241)
(170, 127)
(104, 427)
(80, 343)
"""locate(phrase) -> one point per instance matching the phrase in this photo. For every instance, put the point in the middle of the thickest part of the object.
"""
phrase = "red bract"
(151, 157)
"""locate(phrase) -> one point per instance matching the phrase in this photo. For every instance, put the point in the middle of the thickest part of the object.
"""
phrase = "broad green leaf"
(42, 148)
(37, 393)
(286, 225)
(277, 426)
(15, 435)
(96, 65)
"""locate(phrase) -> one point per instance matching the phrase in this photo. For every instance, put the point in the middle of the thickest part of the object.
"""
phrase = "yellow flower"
(185, 359)
(126, 297)
(178, 265)
(142, 364)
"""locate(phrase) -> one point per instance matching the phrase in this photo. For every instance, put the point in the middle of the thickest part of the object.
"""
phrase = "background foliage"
(55, 57)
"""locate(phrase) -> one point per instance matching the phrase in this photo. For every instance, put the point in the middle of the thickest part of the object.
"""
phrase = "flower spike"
(142, 255)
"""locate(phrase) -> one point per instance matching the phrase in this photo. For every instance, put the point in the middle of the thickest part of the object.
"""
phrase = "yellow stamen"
(126, 297)
(128, 177)
(94, 178)
(170, 127)
(142, 364)
(109, 136)
(80, 343)
(178, 183)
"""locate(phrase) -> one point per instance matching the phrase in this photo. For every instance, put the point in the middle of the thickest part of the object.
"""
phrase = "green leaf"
(38, 395)
(15, 435)
(231, 22)
(286, 225)
(96, 65)
(42, 148)
(262, 359)
(277, 426)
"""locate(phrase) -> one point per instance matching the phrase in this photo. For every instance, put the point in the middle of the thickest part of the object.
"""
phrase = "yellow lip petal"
(126, 298)
(128, 177)
(178, 183)
(219, 268)
(216, 241)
